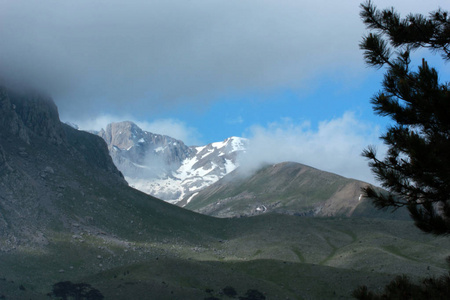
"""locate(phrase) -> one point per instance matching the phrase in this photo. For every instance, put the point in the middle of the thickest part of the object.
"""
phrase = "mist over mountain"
(141, 154)
(165, 167)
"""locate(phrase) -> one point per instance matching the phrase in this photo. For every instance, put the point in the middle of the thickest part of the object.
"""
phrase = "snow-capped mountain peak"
(165, 167)
(231, 144)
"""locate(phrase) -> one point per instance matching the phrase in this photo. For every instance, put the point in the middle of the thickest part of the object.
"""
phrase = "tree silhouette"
(416, 169)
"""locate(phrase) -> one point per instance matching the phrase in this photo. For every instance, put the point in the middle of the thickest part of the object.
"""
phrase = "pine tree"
(416, 169)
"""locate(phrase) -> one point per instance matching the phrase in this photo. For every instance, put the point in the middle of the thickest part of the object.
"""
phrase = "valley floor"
(283, 257)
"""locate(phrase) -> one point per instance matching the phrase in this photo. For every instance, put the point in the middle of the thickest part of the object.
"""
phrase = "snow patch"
(140, 166)
(219, 145)
(238, 144)
(229, 166)
(190, 198)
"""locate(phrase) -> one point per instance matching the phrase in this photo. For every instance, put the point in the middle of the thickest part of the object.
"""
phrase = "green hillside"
(282, 256)
(287, 188)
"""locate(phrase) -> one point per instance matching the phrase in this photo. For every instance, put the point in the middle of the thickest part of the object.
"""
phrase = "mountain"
(71, 227)
(33, 182)
(54, 176)
(141, 154)
(165, 167)
(67, 213)
(287, 188)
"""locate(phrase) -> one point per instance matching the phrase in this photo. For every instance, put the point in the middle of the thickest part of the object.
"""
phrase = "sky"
(288, 75)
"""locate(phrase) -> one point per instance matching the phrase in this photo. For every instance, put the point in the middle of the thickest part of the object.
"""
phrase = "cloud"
(97, 123)
(334, 146)
(173, 128)
(234, 120)
(150, 55)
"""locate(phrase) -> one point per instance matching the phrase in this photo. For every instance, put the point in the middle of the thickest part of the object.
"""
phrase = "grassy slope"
(289, 188)
(283, 256)
(302, 187)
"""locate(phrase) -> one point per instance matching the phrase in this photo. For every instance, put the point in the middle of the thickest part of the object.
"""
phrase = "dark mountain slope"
(53, 176)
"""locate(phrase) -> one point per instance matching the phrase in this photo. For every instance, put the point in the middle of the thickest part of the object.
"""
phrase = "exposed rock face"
(41, 161)
(4, 165)
(31, 114)
(142, 154)
(10, 121)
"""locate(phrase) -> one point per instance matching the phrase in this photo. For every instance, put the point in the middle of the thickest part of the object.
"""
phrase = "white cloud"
(334, 146)
(173, 128)
(96, 123)
(170, 127)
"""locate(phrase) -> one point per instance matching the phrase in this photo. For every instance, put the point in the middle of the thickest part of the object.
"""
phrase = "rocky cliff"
(141, 154)
(41, 162)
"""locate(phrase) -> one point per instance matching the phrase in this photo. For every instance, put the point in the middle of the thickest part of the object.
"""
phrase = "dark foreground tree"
(403, 288)
(416, 169)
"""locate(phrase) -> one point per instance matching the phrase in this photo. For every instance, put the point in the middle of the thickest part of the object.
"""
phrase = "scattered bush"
(253, 295)
(402, 288)
(229, 291)
(79, 291)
